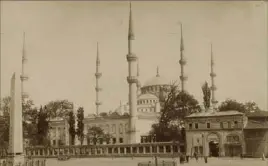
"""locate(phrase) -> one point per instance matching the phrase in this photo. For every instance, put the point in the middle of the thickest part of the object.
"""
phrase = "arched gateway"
(213, 140)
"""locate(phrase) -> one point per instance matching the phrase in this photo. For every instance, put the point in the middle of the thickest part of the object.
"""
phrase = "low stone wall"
(116, 150)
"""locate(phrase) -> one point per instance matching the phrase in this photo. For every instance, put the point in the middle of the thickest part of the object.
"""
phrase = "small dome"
(147, 96)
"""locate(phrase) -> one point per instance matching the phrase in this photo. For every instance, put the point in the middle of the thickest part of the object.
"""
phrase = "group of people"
(185, 158)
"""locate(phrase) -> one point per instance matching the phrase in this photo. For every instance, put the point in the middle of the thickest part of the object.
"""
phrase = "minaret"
(182, 62)
(213, 87)
(1, 112)
(157, 72)
(132, 82)
(139, 83)
(98, 75)
(23, 76)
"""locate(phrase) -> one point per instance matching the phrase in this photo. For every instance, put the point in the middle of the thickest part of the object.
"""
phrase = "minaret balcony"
(132, 79)
(98, 89)
(212, 74)
(182, 62)
(98, 103)
(24, 59)
(213, 88)
(131, 57)
(98, 75)
(24, 77)
(183, 78)
(131, 36)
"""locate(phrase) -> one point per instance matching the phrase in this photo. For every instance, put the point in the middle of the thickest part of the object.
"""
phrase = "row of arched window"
(146, 109)
(147, 101)
(111, 128)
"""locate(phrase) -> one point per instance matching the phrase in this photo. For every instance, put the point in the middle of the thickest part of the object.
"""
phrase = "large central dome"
(157, 80)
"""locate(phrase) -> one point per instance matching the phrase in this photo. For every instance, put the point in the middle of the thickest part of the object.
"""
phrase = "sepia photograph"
(133, 83)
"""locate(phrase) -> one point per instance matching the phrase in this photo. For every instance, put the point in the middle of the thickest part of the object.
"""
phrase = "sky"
(61, 40)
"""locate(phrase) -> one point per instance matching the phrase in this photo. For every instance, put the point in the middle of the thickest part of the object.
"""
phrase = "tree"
(4, 131)
(29, 113)
(97, 134)
(71, 122)
(80, 124)
(42, 127)
(251, 107)
(59, 108)
(6, 104)
(232, 105)
(103, 114)
(177, 105)
(206, 95)
(114, 114)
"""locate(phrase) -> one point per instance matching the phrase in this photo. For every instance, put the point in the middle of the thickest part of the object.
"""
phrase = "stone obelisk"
(15, 129)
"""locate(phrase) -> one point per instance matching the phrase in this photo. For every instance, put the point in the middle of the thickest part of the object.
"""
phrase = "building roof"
(253, 124)
(257, 114)
(156, 80)
(213, 114)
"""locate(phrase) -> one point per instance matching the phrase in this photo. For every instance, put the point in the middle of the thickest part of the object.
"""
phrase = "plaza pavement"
(135, 161)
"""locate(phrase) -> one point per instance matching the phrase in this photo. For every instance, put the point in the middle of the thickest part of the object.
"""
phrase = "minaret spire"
(212, 75)
(182, 62)
(132, 82)
(98, 75)
(139, 83)
(23, 76)
(157, 72)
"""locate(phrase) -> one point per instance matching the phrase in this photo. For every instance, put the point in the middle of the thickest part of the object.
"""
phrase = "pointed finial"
(130, 30)
(23, 43)
(211, 53)
(182, 45)
(98, 58)
(157, 72)
(23, 37)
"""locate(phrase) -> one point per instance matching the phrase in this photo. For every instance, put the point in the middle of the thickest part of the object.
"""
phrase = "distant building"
(256, 133)
(228, 133)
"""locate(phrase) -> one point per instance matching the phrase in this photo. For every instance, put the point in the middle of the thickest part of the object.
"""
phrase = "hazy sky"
(61, 42)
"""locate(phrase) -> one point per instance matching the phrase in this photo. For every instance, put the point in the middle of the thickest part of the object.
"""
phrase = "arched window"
(120, 128)
(126, 127)
(114, 128)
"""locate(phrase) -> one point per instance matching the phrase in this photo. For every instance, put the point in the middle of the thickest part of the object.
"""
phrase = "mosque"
(209, 132)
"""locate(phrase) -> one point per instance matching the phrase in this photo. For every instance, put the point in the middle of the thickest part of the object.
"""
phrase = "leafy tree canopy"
(71, 122)
(59, 108)
(80, 124)
(206, 95)
(97, 133)
(233, 105)
(177, 105)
